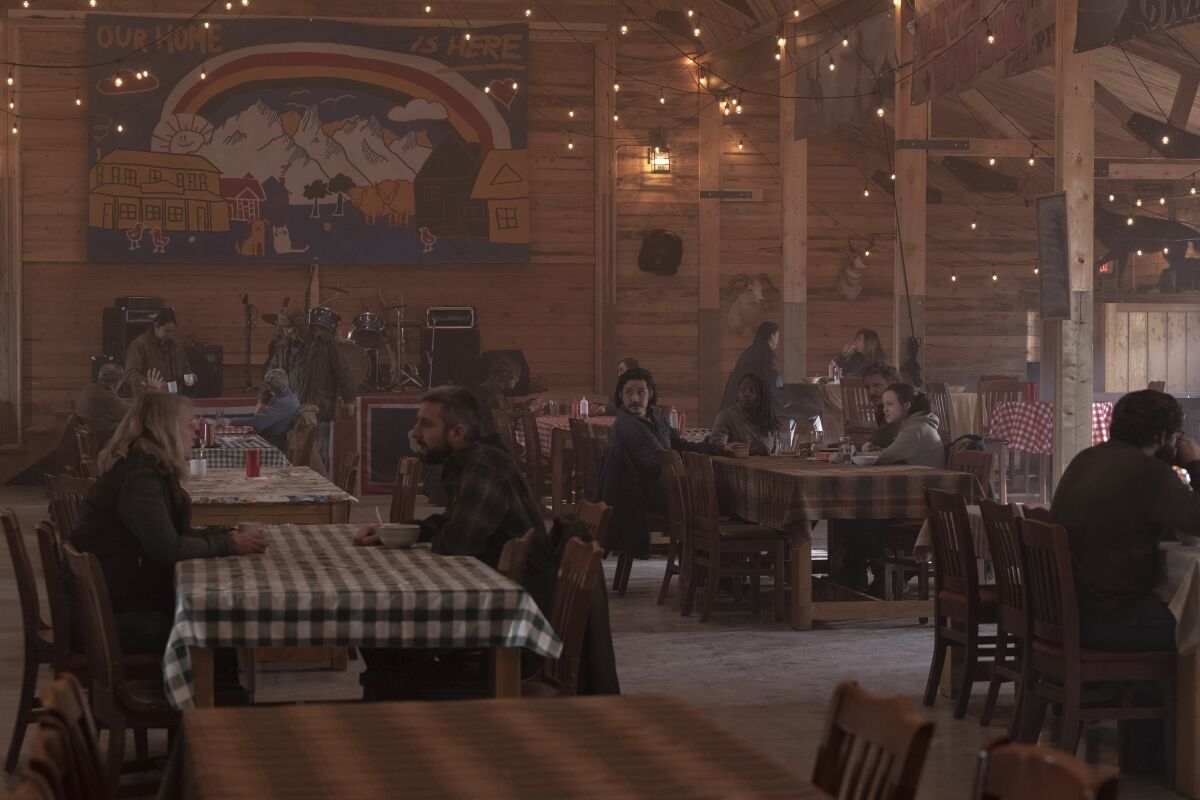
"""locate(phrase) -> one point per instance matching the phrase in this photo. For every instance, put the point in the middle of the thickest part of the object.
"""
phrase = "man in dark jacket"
(158, 349)
(98, 405)
(1118, 500)
(759, 358)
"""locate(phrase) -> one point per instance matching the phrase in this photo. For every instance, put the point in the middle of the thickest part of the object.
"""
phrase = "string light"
(229, 6)
(92, 3)
(487, 89)
(995, 277)
(616, 117)
(991, 37)
(428, 9)
(832, 66)
(203, 74)
(570, 142)
(739, 108)
(1166, 139)
(741, 144)
(1162, 201)
(1138, 202)
(206, 25)
(515, 85)
(696, 31)
(117, 81)
(778, 56)
(25, 3)
(120, 128)
(953, 276)
(467, 36)
(1193, 189)
(571, 113)
(1139, 252)
(529, 12)
(1129, 220)
(867, 191)
(14, 129)
(893, 176)
(974, 225)
(795, 12)
(1166, 251)
(1032, 159)
(845, 42)
(879, 112)
(992, 162)
(691, 13)
(867, 252)
(1112, 198)
(1036, 270)
(662, 101)
(624, 29)
(781, 41)
(12, 104)
(616, 87)
(78, 99)
(245, 3)
(11, 79)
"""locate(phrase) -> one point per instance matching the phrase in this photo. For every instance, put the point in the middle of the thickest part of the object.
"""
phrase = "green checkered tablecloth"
(313, 587)
(230, 452)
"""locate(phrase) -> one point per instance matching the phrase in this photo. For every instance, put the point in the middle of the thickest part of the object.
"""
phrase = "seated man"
(98, 405)
(876, 378)
(630, 480)
(503, 375)
(273, 420)
(1118, 500)
(752, 421)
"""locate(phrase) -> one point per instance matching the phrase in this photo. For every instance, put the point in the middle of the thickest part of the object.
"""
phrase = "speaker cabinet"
(120, 326)
(208, 362)
(455, 356)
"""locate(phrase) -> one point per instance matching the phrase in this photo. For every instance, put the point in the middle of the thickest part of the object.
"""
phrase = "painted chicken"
(134, 235)
(428, 238)
(160, 241)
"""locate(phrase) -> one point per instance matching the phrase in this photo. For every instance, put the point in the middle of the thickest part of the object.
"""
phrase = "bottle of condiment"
(845, 450)
(682, 423)
(583, 408)
(673, 419)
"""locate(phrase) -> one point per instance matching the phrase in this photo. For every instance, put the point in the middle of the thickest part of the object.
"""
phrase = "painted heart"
(502, 92)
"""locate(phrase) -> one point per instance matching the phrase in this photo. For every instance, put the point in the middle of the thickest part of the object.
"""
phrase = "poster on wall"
(1104, 22)
(951, 49)
(259, 140)
(862, 81)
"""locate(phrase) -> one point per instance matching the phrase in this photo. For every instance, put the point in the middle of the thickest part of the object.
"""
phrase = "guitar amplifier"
(120, 326)
(140, 302)
(450, 318)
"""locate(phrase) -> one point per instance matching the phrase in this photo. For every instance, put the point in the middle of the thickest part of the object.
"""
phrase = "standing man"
(158, 349)
(320, 376)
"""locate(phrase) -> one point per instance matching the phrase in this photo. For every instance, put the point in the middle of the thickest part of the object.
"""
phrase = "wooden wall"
(543, 307)
(1148, 342)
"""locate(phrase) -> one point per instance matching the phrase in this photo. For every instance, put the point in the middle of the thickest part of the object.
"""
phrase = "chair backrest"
(27, 593)
(579, 572)
(1000, 525)
(85, 441)
(404, 497)
(675, 487)
(1014, 771)
(1050, 584)
(347, 479)
(703, 510)
(99, 625)
(1158, 386)
(943, 406)
(595, 517)
(514, 556)
(505, 430)
(88, 468)
(873, 748)
(535, 470)
(992, 392)
(953, 548)
(67, 494)
(601, 438)
(1039, 513)
(585, 458)
(302, 440)
(977, 463)
(66, 709)
(857, 408)
(50, 550)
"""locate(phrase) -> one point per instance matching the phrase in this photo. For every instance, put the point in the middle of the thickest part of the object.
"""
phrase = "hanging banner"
(1104, 22)
(860, 82)
(952, 52)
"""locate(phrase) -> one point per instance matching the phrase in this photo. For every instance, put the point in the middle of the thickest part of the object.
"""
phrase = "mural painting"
(278, 140)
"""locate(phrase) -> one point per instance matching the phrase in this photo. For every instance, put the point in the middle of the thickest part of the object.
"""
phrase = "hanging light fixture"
(658, 155)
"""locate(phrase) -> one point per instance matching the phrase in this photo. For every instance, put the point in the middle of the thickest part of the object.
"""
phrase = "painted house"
(245, 197)
(503, 183)
(161, 190)
(444, 187)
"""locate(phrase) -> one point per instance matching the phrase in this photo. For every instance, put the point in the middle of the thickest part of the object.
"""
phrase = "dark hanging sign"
(1104, 22)
(1053, 245)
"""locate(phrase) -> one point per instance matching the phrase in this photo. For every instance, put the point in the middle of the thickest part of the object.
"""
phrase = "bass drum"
(355, 359)
(369, 330)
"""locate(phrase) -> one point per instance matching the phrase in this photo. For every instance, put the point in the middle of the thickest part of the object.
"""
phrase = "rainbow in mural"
(282, 140)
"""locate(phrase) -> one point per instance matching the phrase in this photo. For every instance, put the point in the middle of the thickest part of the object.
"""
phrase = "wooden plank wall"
(1149, 342)
(544, 307)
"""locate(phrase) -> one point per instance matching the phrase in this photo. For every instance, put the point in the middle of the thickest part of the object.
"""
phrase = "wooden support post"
(793, 229)
(604, 351)
(11, 422)
(1185, 97)
(708, 345)
(1068, 343)
(912, 123)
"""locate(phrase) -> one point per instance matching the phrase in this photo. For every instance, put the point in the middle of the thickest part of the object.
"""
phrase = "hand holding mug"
(366, 536)
(248, 539)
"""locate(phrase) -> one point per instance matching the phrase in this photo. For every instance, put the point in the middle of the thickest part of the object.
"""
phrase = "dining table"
(314, 588)
(791, 493)
(225, 496)
(229, 451)
(579, 747)
(1179, 586)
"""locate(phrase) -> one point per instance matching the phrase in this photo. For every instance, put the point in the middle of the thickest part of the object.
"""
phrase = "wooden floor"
(763, 680)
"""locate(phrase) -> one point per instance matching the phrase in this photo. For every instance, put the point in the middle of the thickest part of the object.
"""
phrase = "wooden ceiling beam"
(1185, 98)
(1148, 169)
(1160, 50)
(991, 116)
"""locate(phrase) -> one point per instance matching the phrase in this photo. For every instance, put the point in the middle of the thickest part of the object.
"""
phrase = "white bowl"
(1188, 539)
(865, 459)
(395, 535)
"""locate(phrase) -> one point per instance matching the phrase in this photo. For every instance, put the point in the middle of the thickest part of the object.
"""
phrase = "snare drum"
(369, 330)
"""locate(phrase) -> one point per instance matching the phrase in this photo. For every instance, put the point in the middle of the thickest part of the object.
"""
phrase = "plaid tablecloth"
(234, 430)
(314, 587)
(778, 491)
(231, 452)
(1180, 588)
(1029, 427)
(227, 486)
(652, 747)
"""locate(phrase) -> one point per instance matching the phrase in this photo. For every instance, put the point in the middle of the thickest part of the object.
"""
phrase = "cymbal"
(270, 319)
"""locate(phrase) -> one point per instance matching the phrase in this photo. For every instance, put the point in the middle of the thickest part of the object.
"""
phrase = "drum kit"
(369, 333)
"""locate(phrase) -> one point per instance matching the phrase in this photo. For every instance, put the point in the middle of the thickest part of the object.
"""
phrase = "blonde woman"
(137, 519)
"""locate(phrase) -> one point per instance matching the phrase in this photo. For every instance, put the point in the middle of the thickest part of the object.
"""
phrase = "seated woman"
(137, 520)
(867, 349)
(630, 479)
(752, 421)
(917, 441)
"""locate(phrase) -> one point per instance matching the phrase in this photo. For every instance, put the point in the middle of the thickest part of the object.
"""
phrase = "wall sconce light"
(658, 155)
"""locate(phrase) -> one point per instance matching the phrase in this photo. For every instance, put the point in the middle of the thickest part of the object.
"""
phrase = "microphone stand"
(249, 310)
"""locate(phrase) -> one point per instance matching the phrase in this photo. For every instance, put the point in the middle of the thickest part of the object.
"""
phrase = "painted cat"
(283, 241)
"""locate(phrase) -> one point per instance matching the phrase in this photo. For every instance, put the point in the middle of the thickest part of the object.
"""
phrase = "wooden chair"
(1012, 612)
(50, 550)
(975, 462)
(1157, 386)
(1060, 668)
(595, 517)
(585, 459)
(118, 703)
(992, 391)
(503, 421)
(579, 573)
(874, 747)
(67, 711)
(674, 483)
(404, 496)
(960, 605)
(601, 439)
(514, 557)
(67, 495)
(88, 468)
(721, 550)
(85, 441)
(38, 636)
(858, 413)
(943, 406)
(1010, 770)
(302, 442)
(535, 466)
(347, 479)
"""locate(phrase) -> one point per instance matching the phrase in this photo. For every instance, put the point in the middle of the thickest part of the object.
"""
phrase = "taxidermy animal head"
(750, 294)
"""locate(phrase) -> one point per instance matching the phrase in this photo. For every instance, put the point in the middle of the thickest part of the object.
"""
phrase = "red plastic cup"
(253, 463)
(1031, 392)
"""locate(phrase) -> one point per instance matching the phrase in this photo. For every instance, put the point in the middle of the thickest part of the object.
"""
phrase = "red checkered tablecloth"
(1029, 427)
(548, 424)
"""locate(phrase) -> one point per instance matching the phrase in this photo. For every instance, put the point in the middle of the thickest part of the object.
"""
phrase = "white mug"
(198, 467)
(172, 387)
(189, 379)
(249, 527)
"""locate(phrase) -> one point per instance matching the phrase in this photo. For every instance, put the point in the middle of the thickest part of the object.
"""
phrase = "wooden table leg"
(801, 616)
(339, 513)
(506, 672)
(202, 676)
(1187, 726)
(557, 477)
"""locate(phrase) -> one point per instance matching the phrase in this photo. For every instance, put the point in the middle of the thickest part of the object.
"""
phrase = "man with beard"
(1117, 501)
(876, 378)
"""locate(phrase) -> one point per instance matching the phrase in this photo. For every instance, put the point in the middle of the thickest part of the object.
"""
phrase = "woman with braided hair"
(752, 420)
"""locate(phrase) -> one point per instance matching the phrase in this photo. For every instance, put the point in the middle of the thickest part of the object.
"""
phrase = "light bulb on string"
(781, 41)
(428, 9)
(691, 13)
(120, 128)
(992, 161)
(867, 191)
(696, 31)
(229, 6)
(245, 3)
(845, 42)
(953, 276)
(487, 89)
(995, 277)
(795, 12)
(778, 56)
(1032, 159)
(879, 112)
(867, 252)
(515, 85)
(206, 25)
(662, 101)
(624, 29)
(92, 3)
(893, 176)
(25, 3)
(1139, 252)
(832, 66)
(1112, 197)
(12, 104)
(1162, 201)
(78, 99)
(11, 80)
(118, 82)
(467, 36)
(14, 129)
(529, 12)
(616, 117)
(974, 225)
(1166, 251)
(1138, 202)
(991, 37)
(1129, 220)
(1192, 191)
(570, 143)
(739, 108)
(1036, 270)
(741, 144)
(203, 74)
(616, 86)
(571, 113)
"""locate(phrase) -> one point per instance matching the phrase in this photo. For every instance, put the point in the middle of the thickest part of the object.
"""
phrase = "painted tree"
(340, 183)
(316, 191)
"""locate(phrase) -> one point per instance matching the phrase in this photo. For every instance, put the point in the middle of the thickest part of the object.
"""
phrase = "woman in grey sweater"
(917, 442)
